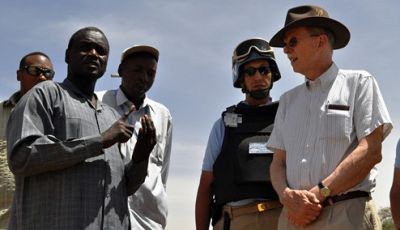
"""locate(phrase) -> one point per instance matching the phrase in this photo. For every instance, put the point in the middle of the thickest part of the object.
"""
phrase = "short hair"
(321, 30)
(81, 31)
(22, 63)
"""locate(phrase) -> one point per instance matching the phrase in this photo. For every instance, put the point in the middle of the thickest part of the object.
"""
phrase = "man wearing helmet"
(235, 181)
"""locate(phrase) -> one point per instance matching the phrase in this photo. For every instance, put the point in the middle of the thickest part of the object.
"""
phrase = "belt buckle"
(261, 207)
(328, 202)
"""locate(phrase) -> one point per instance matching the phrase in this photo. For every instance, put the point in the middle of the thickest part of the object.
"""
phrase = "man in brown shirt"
(34, 67)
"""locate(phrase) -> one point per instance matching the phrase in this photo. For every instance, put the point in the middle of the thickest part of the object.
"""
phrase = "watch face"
(325, 192)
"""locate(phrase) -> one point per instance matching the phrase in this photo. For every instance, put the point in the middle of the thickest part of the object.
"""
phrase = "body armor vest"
(241, 170)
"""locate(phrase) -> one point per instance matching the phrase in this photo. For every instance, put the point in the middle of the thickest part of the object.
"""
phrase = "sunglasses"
(291, 43)
(244, 48)
(251, 71)
(37, 71)
(294, 41)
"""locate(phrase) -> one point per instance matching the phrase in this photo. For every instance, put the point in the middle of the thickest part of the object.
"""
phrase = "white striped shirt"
(320, 122)
(148, 206)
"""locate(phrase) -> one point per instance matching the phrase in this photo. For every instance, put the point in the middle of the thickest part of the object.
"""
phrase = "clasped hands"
(121, 132)
(303, 206)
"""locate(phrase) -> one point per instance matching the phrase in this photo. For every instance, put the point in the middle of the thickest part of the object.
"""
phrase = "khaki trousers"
(255, 221)
(353, 214)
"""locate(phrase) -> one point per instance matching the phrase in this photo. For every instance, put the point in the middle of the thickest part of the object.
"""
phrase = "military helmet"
(249, 50)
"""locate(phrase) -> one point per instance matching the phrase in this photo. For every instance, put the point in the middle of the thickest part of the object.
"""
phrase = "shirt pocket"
(336, 124)
(76, 128)
(72, 128)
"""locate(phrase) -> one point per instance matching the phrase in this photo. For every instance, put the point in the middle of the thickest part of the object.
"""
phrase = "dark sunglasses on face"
(251, 71)
(293, 41)
(37, 71)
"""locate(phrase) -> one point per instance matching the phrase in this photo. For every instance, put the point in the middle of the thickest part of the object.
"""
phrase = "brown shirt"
(7, 185)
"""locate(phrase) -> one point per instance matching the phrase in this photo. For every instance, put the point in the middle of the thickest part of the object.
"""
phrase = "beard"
(259, 94)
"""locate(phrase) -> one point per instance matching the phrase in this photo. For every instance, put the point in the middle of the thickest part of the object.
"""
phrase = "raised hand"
(145, 141)
(119, 132)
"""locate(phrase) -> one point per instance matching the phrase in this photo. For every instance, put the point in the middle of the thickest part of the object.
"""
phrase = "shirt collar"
(79, 93)
(326, 79)
(13, 100)
(121, 99)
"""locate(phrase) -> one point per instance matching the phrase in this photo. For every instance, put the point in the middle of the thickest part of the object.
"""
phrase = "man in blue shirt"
(234, 178)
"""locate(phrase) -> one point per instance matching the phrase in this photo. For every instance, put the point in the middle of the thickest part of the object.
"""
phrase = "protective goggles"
(244, 48)
(37, 71)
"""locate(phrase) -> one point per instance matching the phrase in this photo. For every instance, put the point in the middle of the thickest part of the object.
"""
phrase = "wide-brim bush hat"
(312, 16)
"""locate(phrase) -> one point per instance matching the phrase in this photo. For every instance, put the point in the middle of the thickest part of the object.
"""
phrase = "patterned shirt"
(7, 184)
(319, 123)
(148, 206)
(64, 179)
(6, 108)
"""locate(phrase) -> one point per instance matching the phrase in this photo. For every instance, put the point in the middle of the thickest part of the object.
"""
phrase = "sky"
(194, 78)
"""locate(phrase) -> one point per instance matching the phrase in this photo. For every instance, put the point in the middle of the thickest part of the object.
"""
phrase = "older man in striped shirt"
(328, 131)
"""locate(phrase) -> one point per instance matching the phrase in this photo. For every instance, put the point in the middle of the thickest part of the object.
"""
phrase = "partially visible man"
(33, 68)
(234, 180)
(328, 131)
(63, 148)
(138, 67)
(395, 190)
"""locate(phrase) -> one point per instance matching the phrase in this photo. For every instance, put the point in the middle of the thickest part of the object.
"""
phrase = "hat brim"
(140, 49)
(340, 31)
(137, 49)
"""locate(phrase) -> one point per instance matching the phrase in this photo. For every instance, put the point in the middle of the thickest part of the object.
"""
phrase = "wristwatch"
(324, 190)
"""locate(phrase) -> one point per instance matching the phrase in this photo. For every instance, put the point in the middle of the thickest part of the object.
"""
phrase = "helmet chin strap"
(258, 94)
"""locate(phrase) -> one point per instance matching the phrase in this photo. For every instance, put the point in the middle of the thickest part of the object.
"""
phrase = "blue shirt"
(214, 145)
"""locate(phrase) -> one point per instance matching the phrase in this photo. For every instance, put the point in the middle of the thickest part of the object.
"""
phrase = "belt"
(235, 211)
(347, 196)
